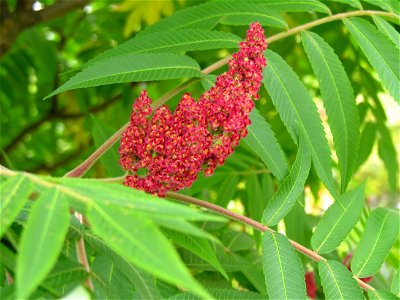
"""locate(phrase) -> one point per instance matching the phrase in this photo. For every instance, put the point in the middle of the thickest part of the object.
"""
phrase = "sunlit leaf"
(42, 240)
(381, 231)
(387, 30)
(339, 102)
(284, 275)
(383, 55)
(338, 282)
(338, 220)
(290, 189)
(381, 295)
(395, 287)
(298, 111)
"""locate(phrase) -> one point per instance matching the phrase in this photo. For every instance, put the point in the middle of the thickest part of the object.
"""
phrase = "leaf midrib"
(280, 265)
(334, 279)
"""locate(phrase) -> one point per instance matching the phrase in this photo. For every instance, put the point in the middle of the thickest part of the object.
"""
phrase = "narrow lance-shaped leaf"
(296, 6)
(387, 30)
(389, 5)
(290, 189)
(395, 287)
(261, 139)
(138, 239)
(366, 142)
(222, 294)
(381, 295)
(41, 241)
(207, 15)
(338, 282)
(353, 3)
(297, 110)
(381, 231)
(338, 220)
(132, 67)
(339, 102)
(14, 194)
(174, 42)
(383, 55)
(284, 274)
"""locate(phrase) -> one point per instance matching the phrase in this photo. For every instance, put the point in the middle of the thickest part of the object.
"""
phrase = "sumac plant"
(246, 178)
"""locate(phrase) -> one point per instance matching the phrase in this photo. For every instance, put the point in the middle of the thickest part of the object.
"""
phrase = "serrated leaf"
(387, 30)
(290, 189)
(132, 67)
(110, 159)
(338, 220)
(389, 5)
(381, 231)
(222, 294)
(284, 274)
(381, 295)
(174, 42)
(353, 3)
(295, 5)
(138, 240)
(339, 102)
(41, 241)
(297, 110)
(261, 139)
(383, 55)
(14, 193)
(338, 282)
(199, 246)
(395, 287)
(207, 15)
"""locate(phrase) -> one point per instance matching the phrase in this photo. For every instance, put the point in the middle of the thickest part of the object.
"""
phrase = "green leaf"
(174, 41)
(381, 231)
(353, 3)
(14, 193)
(389, 5)
(138, 240)
(395, 287)
(381, 53)
(110, 159)
(297, 110)
(143, 282)
(199, 246)
(78, 293)
(338, 220)
(337, 281)
(366, 142)
(261, 139)
(339, 102)
(381, 295)
(284, 274)
(387, 30)
(290, 189)
(295, 5)
(207, 15)
(387, 152)
(132, 67)
(41, 241)
(222, 294)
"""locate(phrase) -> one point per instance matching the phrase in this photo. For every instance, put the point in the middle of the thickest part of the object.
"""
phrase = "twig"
(88, 163)
(245, 220)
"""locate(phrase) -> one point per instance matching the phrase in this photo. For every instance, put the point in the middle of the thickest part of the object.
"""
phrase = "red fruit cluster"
(171, 149)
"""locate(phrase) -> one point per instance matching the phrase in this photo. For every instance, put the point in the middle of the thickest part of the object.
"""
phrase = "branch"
(245, 220)
(24, 17)
(88, 163)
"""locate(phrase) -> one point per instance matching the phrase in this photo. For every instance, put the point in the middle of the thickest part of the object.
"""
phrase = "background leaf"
(261, 139)
(338, 220)
(41, 241)
(290, 189)
(395, 288)
(353, 3)
(381, 53)
(132, 67)
(381, 295)
(339, 102)
(337, 281)
(284, 275)
(380, 233)
(297, 109)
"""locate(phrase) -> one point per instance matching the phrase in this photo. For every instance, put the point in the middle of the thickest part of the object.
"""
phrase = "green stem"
(88, 163)
(245, 220)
